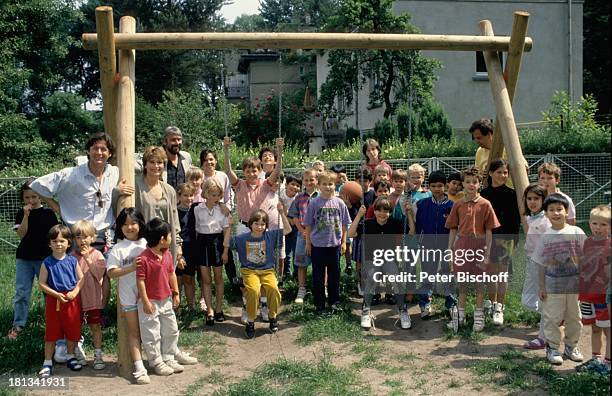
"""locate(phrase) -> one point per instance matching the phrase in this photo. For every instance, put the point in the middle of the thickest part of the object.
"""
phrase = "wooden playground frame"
(118, 83)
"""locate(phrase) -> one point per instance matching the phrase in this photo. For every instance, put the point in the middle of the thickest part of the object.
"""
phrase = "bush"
(65, 120)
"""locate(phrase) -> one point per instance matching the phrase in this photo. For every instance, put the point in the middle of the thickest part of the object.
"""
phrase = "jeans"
(325, 257)
(24, 276)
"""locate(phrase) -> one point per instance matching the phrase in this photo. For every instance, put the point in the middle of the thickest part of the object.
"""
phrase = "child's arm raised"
(147, 307)
(43, 277)
(279, 164)
(352, 231)
(226, 161)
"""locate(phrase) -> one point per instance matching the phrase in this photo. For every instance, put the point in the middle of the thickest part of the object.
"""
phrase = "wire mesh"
(584, 177)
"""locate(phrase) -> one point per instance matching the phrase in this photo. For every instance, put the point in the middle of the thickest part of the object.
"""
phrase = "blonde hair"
(414, 168)
(601, 212)
(399, 174)
(550, 169)
(194, 174)
(83, 228)
(211, 185)
(326, 176)
(185, 188)
(310, 171)
(380, 169)
(153, 153)
(317, 162)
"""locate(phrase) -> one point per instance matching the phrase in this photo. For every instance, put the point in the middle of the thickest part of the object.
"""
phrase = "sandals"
(45, 372)
(74, 365)
(536, 343)
(219, 317)
(14, 333)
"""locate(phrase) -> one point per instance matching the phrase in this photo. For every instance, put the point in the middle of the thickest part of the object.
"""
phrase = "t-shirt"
(457, 196)
(326, 217)
(382, 163)
(286, 200)
(209, 222)
(35, 244)
(416, 196)
(559, 251)
(368, 198)
(260, 196)
(472, 217)
(257, 253)
(571, 209)
(300, 205)
(122, 255)
(62, 273)
(594, 276)
(538, 225)
(93, 276)
(372, 227)
(156, 274)
(503, 200)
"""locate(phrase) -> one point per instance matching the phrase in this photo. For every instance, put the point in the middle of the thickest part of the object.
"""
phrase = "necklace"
(210, 211)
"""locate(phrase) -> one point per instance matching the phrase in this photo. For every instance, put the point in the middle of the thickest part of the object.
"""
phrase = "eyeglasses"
(100, 201)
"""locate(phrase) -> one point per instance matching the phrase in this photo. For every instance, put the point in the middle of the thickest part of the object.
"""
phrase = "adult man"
(85, 192)
(179, 161)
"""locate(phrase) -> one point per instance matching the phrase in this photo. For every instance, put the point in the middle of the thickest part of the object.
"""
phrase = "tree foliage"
(295, 15)
(395, 76)
(597, 56)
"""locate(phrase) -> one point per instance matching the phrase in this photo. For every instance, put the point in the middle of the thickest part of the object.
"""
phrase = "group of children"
(314, 221)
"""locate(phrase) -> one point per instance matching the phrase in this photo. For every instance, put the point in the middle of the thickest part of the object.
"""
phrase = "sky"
(239, 7)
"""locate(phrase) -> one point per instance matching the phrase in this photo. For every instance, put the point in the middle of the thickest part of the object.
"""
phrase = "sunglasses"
(99, 196)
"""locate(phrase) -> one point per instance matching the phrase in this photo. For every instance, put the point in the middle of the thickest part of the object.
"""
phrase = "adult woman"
(156, 198)
(208, 162)
(372, 157)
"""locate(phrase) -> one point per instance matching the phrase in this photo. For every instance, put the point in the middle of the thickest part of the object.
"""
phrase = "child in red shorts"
(594, 278)
(93, 266)
(60, 279)
(470, 222)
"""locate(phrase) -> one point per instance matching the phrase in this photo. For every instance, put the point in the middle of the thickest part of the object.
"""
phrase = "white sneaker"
(79, 354)
(264, 312)
(98, 363)
(300, 295)
(185, 359)
(454, 322)
(366, 321)
(142, 377)
(479, 320)
(243, 316)
(60, 353)
(488, 307)
(573, 354)
(173, 364)
(426, 311)
(498, 314)
(553, 356)
(163, 369)
(405, 322)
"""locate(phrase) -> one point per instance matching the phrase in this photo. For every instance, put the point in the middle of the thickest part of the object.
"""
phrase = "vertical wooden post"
(108, 67)
(505, 117)
(511, 73)
(125, 143)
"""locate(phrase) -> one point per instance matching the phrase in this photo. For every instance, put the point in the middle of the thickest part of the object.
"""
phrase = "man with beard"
(179, 161)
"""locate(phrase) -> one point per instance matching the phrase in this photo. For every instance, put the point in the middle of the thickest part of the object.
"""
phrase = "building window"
(481, 67)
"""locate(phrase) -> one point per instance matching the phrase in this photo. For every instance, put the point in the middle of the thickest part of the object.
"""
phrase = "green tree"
(395, 76)
(249, 23)
(295, 15)
(597, 56)
(159, 71)
(64, 120)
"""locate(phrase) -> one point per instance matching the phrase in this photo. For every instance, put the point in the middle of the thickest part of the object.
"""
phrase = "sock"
(264, 300)
(69, 356)
(98, 352)
(48, 363)
(138, 366)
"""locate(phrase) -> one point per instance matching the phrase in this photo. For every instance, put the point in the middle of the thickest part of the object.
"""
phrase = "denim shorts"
(301, 259)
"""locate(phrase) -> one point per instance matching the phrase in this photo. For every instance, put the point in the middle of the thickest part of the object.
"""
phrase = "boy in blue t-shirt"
(430, 217)
(327, 220)
(257, 265)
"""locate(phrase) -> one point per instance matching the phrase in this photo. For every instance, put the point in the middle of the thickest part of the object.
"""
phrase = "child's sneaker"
(366, 321)
(299, 299)
(46, 371)
(142, 377)
(479, 320)
(163, 369)
(185, 359)
(264, 312)
(488, 307)
(498, 314)
(426, 311)
(60, 353)
(405, 322)
(273, 325)
(250, 330)
(173, 364)
(454, 322)
(79, 354)
(553, 356)
(573, 354)
(98, 363)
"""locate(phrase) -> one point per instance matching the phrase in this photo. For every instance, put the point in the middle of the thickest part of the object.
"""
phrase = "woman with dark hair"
(372, 157)
(208, 162)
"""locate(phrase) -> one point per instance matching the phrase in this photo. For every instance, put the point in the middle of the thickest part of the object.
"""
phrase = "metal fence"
(584, 177)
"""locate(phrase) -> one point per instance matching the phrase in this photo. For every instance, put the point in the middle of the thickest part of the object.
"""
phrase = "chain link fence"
(584, 177)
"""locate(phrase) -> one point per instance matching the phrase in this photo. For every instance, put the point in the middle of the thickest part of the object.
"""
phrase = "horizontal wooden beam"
(169, 41)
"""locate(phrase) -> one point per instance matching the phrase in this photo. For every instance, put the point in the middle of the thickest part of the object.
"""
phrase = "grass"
(298, 377)
(520, 371)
